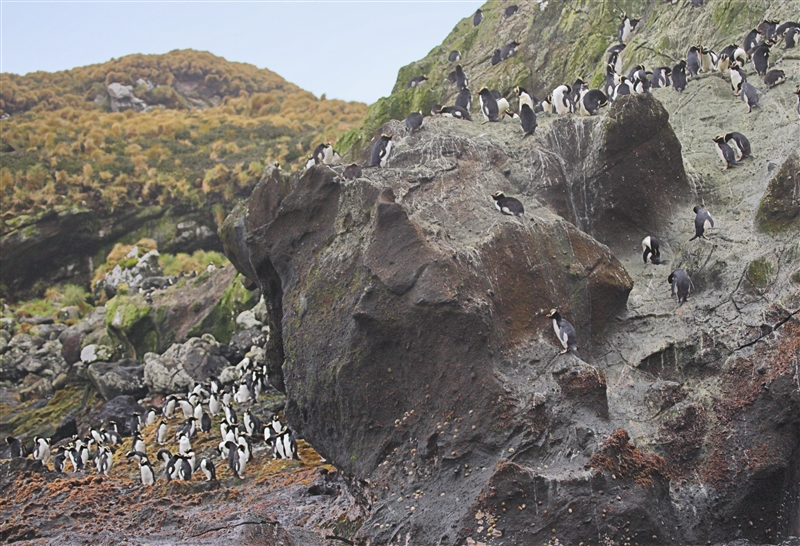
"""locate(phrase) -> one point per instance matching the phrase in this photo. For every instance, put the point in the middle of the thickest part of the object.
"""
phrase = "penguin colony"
(240, 438)
(578, 98)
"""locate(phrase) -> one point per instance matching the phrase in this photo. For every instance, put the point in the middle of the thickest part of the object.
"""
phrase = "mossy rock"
(779, 210)
(759, 272)
(34, 419)
(128, 320)
(221, 320)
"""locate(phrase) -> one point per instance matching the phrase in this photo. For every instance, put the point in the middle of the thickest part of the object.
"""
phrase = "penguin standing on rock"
(414, 121)
(760, 58)
(461, 79)
(161, 433)
(454, 56)
(508, 205)
(626, 28)
(488, 106)
(16, 448)
(661, 77)
(561, 100)
(740, 145)
(591, 101)
(477, 18)
(774, 77)
(207, 466)
(497, 57)
(702, 221)
(679, 76)
(693, 61)
(146, 472)
(416, 81)
(749, 95)
(351, 172)
(737, 78)
(527, 118)
(381, 151)
(725, 152)
(624, 87)
(564, 331)
(41, 449)
(464, 99)
(652, 249)
(524, 97)
(681, 283)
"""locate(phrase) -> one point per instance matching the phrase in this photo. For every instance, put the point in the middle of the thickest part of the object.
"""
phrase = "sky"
(347, 50)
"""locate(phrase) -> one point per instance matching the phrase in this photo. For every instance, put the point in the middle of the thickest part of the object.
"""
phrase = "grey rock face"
(183, 365)
(114, 379)
(122, 98)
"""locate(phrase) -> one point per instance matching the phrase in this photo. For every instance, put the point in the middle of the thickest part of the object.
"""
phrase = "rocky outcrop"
(182, 366)
(114, 379)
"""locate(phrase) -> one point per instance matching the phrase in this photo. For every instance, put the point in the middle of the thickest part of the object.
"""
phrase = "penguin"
(739, 57)
(103, 460)
(641, 81)
(171, 465)
(184, 444)
(244, 441)
(682, 283)
(740, 146)
(708, 60)
(661, 77)
(750, 40)
(679, 76)
(191, 459)
(626, 28)
(527, 119)
(287, 443)
(451, 77)
(77, 463)
(615, 57)
(351, 172)
(561, 100)
(317, 156)
(790, 37)
(413, 121)
(578, 88)
(416, 81)
(134, 423)
(749, 95)
(240, 462)
(454, 56)
(251, 422)
(497, 58)
(381, 150)
(477, 18)
(774, 77)
(198, 410)
(508, 205)
(652, 248)
(146, 472)
(150, 419)
(138, 444)
(183, 468)
(464, 99)
(205, 423)
(329, 157)
(58, 461)
(611, 82)
(233, 457)
(461, 79)
(797, 92)
(524, 97)
(489, 106)
(768, 29)
(591, 101)
(161, 433)
(112, 437)
(624, 87)
(726, 153)
(737, 78)
(207, 466)
(16, 449)
(785, 27)
(213, 401)
(41, 449)
(189, 429)
(760, 58)
(702, 220)
(186, 408)
(693, 61)
(510, 10)
(169, 407)
(564, 331)
(509, 50)
(502, 103)
(138, 455)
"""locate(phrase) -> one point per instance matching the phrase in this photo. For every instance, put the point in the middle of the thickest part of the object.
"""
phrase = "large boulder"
(114, 379)
(183, 365)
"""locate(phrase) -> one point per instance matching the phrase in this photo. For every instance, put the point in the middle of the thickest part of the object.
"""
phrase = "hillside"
(185, 131)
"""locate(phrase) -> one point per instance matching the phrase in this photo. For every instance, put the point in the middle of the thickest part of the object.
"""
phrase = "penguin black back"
(702, 220)
(464, 99)
(774, 77)
(511, 10)
(381, 150)
(488, 105)
(760, 57)
(461, 79)
(681, 283)
(508, 205)
(477, 18)
(454, 56)
(527, 119)
(414, 121)
(352, 171)
(679, 76)
(593, 100)
(741, 145)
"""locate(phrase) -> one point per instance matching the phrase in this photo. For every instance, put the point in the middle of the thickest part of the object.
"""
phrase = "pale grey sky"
(348, 50)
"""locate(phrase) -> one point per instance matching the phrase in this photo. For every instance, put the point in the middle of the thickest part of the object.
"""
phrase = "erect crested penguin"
(414, 121)
(511, 10)
(146, 472)
(626, 28)
(186, 408)
(464, 99)
(774, 77)
(750, 40)
(138, 443)
(461, 79)
(169, 406)
(749, 95)
(477, 18)
(41, 449)
(489, 106)
(135, 423)
(652, 249)
(454, 56)
(790, 37)
(624, 87)
(351, 172)
(183, 467)
(381, 151)
(15, 446)
(161, 433)
(741, 145)
(591, 101)
(693, 60)
(205, 423)
(702, 221)
(416, 81)
(564, 331)
(184, 444)
(760, 58)
(725, 152)
(509, 50)
(287, 444)
(214, 404)
(496, 58)
(524, 97)
(682, 283)
(561, 99)
(58, 460)
(207, 466)
(611, 82)
(508, 205)
(737, 78)
(198, 411)
(527, 119)
(502, 103)
(679, 76)
(251, 422)
(151, 418)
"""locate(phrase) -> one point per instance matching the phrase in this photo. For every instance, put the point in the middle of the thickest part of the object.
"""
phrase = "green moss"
(221, 320)
(796, 277)
(759, 272)
(123, 313)
(32, 421)
(732, 16)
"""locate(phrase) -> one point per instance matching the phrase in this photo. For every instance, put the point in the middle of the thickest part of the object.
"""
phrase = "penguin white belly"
(147, 475)
(387, 151)
(502, 106)
(707, 224)
(737, 150)
(561, 337)
(646, 243)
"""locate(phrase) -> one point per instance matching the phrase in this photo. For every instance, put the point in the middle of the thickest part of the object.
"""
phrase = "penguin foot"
(565, 351)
